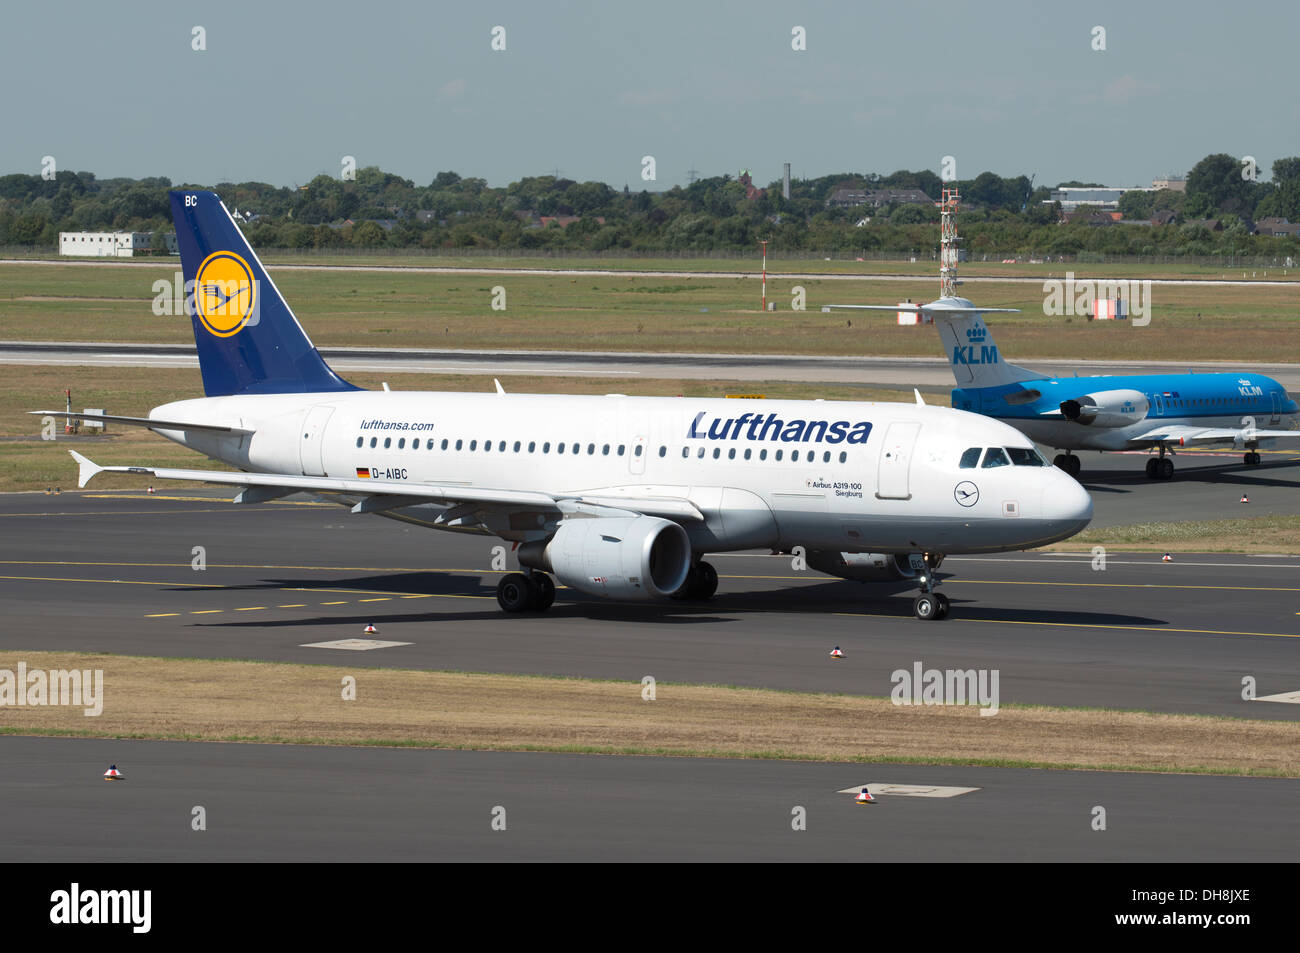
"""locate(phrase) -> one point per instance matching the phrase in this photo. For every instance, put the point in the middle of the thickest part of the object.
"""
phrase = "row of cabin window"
(1212, 401)
(748, 454)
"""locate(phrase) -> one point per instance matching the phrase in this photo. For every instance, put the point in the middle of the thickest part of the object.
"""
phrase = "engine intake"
(634, 558)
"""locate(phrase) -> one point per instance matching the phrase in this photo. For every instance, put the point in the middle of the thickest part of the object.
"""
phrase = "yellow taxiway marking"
(343, 603)
(111, 513)
(383, 599)
(1125, 585)
(186, 565)
(1096, 625)
(119, 582)
(190, 499)
(295, 605)
(250, 609)
(206, 611)
(161, 615)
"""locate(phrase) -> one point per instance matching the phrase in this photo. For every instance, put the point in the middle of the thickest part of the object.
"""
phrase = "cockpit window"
(1026, 457)
(996, 457)
(971, 458)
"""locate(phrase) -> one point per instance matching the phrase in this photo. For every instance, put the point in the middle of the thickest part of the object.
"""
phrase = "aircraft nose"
(1066, 504)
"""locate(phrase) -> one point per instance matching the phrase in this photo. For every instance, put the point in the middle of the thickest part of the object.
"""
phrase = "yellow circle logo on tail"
(225, 293)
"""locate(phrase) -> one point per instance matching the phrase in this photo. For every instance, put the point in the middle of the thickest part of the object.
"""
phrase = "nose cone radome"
(1066, 507)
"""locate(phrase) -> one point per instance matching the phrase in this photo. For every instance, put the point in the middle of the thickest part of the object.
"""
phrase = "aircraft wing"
(1184, 435)
(389, 494)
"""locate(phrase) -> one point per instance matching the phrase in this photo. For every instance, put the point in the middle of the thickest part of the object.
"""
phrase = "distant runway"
(933, 375)
(559, 272)
(111, 572)
(304, 803)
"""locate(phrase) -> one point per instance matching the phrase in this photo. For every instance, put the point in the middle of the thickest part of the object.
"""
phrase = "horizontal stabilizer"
(142, 422)
(918, 309)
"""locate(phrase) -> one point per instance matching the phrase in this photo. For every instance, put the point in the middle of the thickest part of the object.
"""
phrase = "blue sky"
(282, 94)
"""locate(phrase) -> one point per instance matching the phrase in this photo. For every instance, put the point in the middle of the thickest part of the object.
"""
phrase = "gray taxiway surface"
(932, 375)
(112, 572)
(302, 803)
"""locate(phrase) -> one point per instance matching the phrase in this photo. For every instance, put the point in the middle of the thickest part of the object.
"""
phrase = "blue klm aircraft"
(1161, 412)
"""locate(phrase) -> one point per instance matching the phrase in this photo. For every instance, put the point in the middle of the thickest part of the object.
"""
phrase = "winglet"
(88, 469)
(500, 389)
(917, 392)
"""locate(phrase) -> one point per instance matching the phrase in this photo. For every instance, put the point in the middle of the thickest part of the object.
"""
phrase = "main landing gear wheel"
(701, 583)
(514, 592)
(1160, 468)
(926, 607)
(517, 592)
(543, 592)
(1068, 462)
(1252, 458)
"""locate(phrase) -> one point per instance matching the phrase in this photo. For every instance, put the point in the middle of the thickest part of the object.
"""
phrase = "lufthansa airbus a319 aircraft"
(614, 496)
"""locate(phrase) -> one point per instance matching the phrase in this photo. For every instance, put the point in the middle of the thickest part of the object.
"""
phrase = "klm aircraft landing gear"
(1068, 462)
(701, 583)
(930, 604)
(1160, 468)
(517, 592)
(1252, 458)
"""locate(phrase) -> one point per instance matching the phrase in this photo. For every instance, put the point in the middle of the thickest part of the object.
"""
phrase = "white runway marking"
(354, 645)
(1287, 698)
(909, 790)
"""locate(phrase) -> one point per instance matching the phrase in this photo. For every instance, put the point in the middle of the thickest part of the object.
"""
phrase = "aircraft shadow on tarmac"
(891, 599)
(1225, 474)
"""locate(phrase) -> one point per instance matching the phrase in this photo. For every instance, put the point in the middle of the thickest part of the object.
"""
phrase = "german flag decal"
(363, 473)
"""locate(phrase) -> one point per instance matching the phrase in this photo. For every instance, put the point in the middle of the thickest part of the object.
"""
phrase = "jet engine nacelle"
(1107, 408)
(863, 567)
(633, 558)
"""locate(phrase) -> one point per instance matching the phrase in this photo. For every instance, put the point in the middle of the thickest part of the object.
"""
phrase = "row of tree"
(378, 209)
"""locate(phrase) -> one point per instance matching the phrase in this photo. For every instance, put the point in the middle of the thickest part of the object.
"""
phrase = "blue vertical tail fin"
(249, 341)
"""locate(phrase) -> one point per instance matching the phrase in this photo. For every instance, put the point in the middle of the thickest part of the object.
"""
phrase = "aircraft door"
(892, 477)
(636, 454)
(1277, 409)
(1160, 405)
(312, 446)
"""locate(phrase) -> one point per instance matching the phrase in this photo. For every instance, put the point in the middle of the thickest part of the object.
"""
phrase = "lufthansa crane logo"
(225, 294)
(966, 493)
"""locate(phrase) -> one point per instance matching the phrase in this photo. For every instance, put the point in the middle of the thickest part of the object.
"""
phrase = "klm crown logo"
(977, 334)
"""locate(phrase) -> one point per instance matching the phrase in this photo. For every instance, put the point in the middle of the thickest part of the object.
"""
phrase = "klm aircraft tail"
(976, 361)
(249, 341)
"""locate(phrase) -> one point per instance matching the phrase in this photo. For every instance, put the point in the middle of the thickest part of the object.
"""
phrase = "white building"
(104, 244)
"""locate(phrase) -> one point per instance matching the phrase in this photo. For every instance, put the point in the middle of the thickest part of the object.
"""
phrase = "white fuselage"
(842, 476)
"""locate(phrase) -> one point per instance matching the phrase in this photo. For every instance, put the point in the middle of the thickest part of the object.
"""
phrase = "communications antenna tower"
(948, 243)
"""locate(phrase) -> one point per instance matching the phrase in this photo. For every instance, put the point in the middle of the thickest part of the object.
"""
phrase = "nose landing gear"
(1068, 462)
(930, 604)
